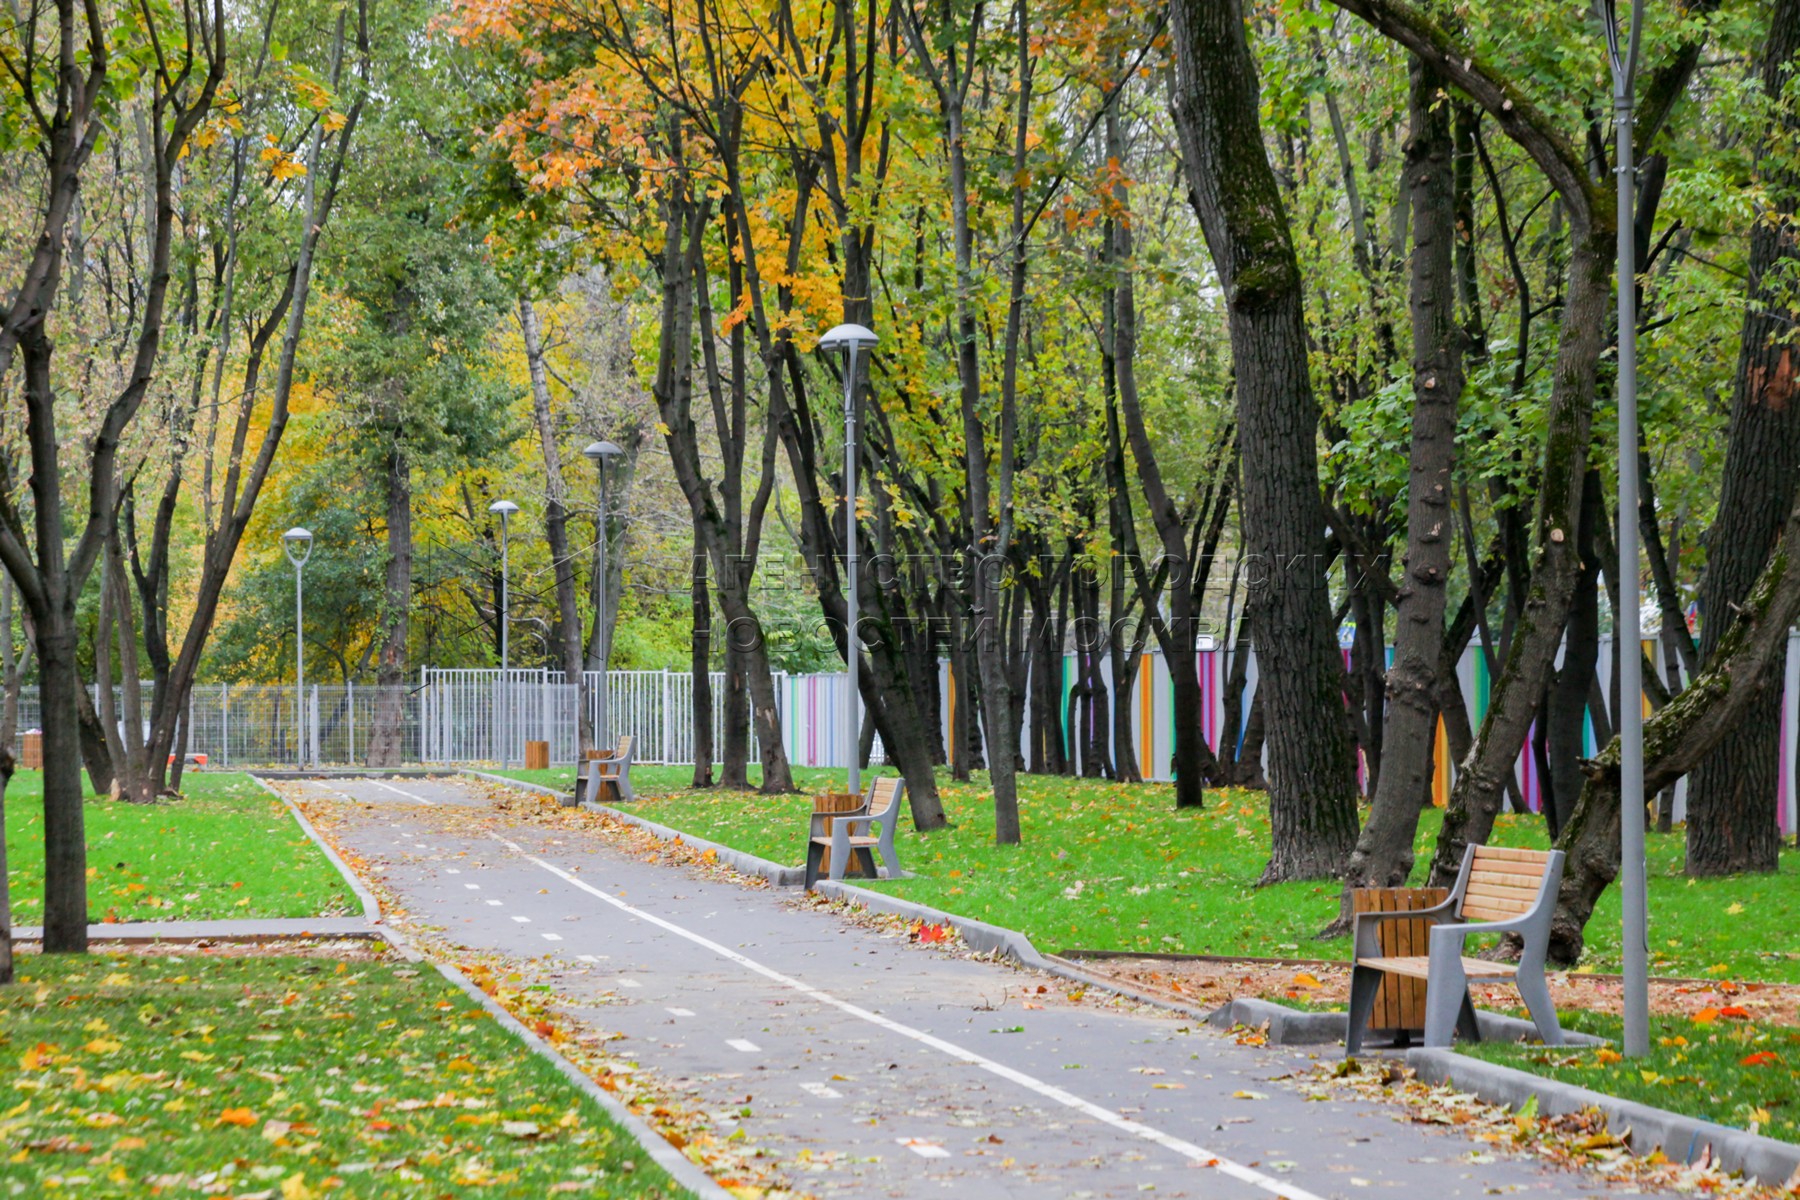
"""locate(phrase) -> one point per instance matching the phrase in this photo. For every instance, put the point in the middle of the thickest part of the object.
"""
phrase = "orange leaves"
(243, 1118)
(1761, 1058)
(1708, 1015)
(37, 1058)
(929, 934)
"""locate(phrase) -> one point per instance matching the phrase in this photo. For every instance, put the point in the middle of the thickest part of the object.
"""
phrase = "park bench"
(610, 769)
(836, 832)
(1498, 890)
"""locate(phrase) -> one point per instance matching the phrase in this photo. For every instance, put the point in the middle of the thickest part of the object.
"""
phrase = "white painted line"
(402, 792)
(744, 1044)
(473, 887)
(552, 937)
(494, 903)
(588, 958)
(420, 846)
(1189, 1150)
(823, 1091)
(630, 983)
(522, 920)
(454, 871)
(923, 1148)
(680, 1012)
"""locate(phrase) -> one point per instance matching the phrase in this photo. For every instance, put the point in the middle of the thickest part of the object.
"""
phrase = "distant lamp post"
(504, 509)
(297, 544)
(850, 339)
(1633, 893)
(602, 455)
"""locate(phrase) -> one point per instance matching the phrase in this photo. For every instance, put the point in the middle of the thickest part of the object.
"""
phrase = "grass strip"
(1109, 866)
(1719, 1066)
(290, 1077)
(224, 849)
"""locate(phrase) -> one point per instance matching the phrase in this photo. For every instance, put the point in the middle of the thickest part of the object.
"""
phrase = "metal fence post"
(350, 703)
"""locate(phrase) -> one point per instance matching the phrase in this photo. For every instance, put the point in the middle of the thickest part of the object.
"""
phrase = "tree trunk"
(1680, 735)
(701, 667)
(1566, 709)
(1384, 852)
(65, 837)
(6, 937)
(1312, 795)
(556, 524)
(387, 740)
(1731, 800)
(1481, 781)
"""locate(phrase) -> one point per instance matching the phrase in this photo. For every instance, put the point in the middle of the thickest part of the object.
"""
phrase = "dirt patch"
(1209, 984)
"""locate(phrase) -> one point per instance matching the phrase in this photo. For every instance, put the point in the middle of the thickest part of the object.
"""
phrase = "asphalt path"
(873, 1068)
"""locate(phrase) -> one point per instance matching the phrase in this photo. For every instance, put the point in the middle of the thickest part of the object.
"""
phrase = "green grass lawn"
(1109, 866)
(285, 1077)
(1723, 1069)
(225, 849)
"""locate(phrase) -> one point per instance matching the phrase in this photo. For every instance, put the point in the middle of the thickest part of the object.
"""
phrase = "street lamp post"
(297, 544)
(504, 509)
(850, 339)
(1632, 885)
(601, 454)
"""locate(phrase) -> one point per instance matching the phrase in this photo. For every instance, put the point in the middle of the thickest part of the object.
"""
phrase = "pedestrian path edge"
(679, 1167)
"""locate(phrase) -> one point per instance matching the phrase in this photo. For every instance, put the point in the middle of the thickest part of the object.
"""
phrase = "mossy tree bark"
(1312, 794)
(1384, 852)
(1679, 736)
(1731, 803)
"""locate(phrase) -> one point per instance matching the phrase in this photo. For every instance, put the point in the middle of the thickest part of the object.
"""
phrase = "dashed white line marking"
(473, 887)
(420, 846)
(494, 903)
(630, 983)
(679, 1012)
(1189, 1150)
(551, 937)
(454, 871)
(402, 791)
(521, 920)
(587, 958)
(923, 1148)
(823, 1091)
(744, 1044)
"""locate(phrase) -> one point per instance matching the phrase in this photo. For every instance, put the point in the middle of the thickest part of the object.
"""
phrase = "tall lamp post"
(297, 543)
(850, 339)
(601, 454)
(1633, 893)
(504, 509)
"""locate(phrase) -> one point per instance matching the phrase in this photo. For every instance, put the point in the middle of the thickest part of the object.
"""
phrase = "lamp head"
(505, 508)
(600, 453)
(297, 542)
(848, 337)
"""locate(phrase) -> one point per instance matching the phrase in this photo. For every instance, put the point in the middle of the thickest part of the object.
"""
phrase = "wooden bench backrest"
(884, 796)
(624, 747)
(1503, 882)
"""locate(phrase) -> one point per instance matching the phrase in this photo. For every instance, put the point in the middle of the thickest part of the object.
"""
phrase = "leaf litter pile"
(285, 1078)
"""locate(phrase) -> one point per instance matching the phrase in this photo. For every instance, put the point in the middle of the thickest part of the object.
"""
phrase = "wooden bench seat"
(1499, 890)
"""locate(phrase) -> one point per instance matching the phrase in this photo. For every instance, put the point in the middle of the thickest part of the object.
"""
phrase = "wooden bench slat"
(1498, 891)
(854, 842)
(1530, 883)
(1524, 858)
(1419, 966)
(1490, 910)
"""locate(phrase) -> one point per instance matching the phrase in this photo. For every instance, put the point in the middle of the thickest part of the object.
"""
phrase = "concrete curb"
(540, 788)
(738, 860)
(371, 907)
(1297, 1027)
(1645, 1129)
(678, 1166)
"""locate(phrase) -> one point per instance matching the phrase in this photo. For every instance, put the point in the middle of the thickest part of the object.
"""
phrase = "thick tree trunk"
(65, 837)
(387, 739)
(1384, 852)
(1680, 735)
(1312, 796)
(700, 664)
(1731, 809)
